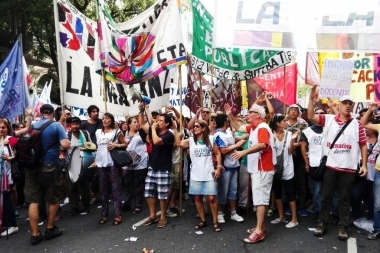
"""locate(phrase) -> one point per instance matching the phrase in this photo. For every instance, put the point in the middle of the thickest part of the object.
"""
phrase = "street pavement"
(83, 233)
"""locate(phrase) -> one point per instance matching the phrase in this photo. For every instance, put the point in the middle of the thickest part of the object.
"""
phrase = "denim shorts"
(227, 186)
(203, 187)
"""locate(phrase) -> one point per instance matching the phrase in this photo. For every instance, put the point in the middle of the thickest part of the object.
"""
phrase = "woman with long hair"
(284, 143)
(134, 175)
(123, 126)
(6, 183)
(204, 173)
(109, 138)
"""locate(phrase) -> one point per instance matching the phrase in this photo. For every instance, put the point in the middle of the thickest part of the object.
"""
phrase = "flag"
(227, 91)
(229, 63)
(144, 46)
(13, 91)
(193, 93)
(27, 77)
(44, 98)
(312, 76)
(274, 81)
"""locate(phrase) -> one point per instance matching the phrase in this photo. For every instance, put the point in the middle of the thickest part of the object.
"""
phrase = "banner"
(78, 51)
(43, 99)
(336, 78)
(144, 46)
(376, 74)
(273, 83)
(229, 63)
(324, 25)
(193, 98)
(227, 91)
(14, 95)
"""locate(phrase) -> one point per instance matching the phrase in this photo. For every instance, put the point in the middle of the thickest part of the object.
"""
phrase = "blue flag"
(13, 89)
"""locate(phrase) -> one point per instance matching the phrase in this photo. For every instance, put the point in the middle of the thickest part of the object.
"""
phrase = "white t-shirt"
(288, 158)
(201, 158)
(136, 144)
(103, 157)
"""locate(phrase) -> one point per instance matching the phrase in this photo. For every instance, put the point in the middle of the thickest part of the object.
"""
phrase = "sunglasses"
(319, 113)
(207, 112)
(250, 112)
(212, 119)
(197, 126)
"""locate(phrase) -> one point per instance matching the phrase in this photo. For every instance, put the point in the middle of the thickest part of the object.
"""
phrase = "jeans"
(362, 190)
(227, 186)
(376, 197)
(316, 187)
(342, 183)
(243, 186)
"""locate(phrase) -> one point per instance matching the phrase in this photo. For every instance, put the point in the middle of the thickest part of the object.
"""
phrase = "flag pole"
(21, 119)
(180, 131)
(212, 80)
(61, 88)
(284, 84)
(201, 88)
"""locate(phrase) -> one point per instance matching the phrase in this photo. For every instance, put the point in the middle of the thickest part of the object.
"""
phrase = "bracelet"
(118, 145)
(220, 166)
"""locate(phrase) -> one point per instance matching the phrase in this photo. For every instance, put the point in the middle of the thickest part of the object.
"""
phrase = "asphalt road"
(85, 234)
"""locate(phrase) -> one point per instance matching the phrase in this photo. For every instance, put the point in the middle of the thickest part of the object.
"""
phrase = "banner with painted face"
(323, 25)
(229, 63)
(78, 51)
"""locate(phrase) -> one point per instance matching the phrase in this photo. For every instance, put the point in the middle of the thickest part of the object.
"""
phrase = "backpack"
(29, 148)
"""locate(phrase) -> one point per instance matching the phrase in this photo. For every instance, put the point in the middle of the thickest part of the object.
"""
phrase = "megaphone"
(137, 96)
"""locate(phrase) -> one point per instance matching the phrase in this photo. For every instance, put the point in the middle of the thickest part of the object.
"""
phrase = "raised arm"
(367, 116)
(236, 125)
(190, 125)
(310, 108)
(144, 125)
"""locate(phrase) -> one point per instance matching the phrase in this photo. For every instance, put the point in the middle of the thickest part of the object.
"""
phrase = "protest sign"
(336, 78)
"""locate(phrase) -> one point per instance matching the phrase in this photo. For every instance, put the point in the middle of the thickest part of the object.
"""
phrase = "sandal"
(137, 210)
(117, 220)
(217, 227)
(103, 219)
(201, 225)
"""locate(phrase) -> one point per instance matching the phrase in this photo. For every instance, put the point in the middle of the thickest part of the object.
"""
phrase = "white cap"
(346, 98)
(259, 109)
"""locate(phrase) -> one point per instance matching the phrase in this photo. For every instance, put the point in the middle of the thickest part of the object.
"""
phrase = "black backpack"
(30, 152)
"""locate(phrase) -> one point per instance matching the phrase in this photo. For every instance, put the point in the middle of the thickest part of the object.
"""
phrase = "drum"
(80, 161)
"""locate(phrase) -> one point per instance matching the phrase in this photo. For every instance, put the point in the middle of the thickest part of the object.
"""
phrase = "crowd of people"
(228, 163)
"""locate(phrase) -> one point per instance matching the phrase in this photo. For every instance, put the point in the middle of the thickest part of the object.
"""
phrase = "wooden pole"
(180, 131)
(284, 83)
(212, 79)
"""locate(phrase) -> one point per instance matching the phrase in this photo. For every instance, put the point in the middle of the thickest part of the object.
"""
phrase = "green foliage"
(303, 90)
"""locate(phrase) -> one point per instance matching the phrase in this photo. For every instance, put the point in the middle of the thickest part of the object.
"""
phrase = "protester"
(134, 175)
(157, 182)
(93, 123)
(261, 159)
(202, 113)
(227, 182)
(284, 144)
(81, 189)
(109, 138)
(342, 161)
(45, 179)
(204, 173)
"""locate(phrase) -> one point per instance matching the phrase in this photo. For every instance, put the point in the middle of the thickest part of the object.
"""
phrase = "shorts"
(174, 175)
(227, 186)
(261, 186)
(203, 187)
(43, 182)
(157, 183)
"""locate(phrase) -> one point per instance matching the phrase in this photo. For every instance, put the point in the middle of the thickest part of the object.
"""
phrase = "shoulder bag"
(15, 169)
(320, 171)
(120, 156)
(279, 167)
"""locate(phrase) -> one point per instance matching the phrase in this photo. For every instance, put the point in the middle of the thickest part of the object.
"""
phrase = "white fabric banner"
(314, 25)
(79, 53)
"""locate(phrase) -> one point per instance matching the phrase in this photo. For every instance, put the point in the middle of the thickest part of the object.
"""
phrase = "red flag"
(227, 91)
(193, 93)
(273, 83)
(312, 76)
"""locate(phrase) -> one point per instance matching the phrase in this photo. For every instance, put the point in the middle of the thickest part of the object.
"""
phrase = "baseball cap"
(75, 120)
(346, 98)
(47, 109)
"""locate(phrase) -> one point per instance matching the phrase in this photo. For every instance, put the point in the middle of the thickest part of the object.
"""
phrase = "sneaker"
(252, 230)
(237, 218)
(374, 235)
(66, 201)
(176, 207)
(342, 235)
(276, 221)
(74, 212)
(303, 213)
(162, 223)
(320, 230)
(288, 212)
(53, 233)
(170, 213)
(221, 218)
(292, 224)
(34, 240)
(310, 209)
(254, 237)
(17, 215)
(9, 231)
(150, 221)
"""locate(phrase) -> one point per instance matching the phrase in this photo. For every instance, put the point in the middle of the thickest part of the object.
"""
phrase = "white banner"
(314, 25)
(336, 78)
(78, 54)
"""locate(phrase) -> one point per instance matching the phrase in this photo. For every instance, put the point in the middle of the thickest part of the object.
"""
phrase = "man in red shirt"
(260, 164)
